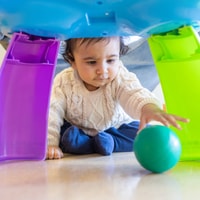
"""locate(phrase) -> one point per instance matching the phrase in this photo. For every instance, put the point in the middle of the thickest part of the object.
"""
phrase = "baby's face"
(97, 63)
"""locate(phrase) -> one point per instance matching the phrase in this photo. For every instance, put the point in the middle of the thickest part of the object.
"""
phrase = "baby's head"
(96, 60)
(71, 44)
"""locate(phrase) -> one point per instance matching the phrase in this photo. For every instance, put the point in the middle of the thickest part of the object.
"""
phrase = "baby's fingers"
(54, 153)
(181, 119)
(58, 154)
(172, 120)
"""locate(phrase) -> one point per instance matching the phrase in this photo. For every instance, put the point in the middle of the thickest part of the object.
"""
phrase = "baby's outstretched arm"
(54, 152)
(153, 112)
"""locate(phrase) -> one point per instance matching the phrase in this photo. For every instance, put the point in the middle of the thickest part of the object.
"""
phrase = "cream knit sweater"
(116, 103)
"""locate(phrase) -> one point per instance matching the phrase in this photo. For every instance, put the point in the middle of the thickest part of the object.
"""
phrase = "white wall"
(159, 93)
(2, 53)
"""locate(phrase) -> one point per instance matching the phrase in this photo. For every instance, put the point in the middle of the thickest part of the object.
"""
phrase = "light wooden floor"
(116, 177)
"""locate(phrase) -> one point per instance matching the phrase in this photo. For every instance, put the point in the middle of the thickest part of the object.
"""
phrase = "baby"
(97, 105)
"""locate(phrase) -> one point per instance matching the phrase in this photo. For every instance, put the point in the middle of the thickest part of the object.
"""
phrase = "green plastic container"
(177, 58)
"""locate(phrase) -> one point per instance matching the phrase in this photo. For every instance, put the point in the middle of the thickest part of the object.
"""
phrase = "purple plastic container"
(26, 77)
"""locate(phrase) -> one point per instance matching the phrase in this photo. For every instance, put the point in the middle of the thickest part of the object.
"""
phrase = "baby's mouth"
(103, 77)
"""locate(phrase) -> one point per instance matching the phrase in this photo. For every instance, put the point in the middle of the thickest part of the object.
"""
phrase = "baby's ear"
(73, 65)
(68, 57)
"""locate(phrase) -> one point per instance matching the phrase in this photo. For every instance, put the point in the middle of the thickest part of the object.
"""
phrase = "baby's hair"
(70, 44)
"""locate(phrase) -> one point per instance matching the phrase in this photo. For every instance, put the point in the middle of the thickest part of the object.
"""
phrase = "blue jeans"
(74, 140)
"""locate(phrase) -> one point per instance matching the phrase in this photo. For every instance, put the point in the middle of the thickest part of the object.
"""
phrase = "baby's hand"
(54, 152)
(152, 112)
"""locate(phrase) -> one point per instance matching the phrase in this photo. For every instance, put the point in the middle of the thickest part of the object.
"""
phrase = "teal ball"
(157, 148)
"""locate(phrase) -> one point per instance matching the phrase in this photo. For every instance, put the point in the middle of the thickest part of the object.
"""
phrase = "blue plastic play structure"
(36, 28)
(91, 18)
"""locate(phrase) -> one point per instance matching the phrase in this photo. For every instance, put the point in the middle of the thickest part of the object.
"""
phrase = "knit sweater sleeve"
(56, 110)
(131, 95)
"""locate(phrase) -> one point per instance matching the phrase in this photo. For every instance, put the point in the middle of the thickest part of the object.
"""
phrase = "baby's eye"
(91, 62)
(110, 61)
